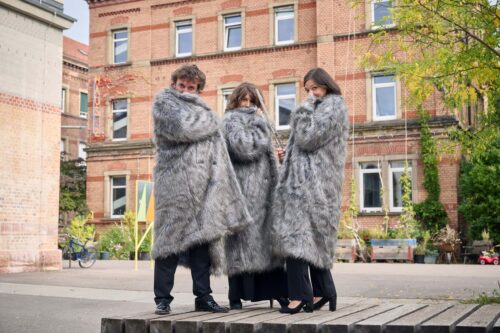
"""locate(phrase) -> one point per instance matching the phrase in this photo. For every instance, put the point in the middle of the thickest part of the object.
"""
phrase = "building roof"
(76, 51)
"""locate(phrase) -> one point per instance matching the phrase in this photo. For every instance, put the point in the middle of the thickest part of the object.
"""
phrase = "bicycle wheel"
(88, 258)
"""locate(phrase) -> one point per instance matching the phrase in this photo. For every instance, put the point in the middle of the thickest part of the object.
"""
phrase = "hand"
(281, 154)
(259, 112)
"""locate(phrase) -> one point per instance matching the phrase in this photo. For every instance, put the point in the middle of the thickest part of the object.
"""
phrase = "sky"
(79, 10)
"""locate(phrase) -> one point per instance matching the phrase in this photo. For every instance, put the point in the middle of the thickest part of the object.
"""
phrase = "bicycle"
(86, 255)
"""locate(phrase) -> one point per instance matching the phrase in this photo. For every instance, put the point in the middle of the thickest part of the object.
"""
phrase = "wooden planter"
(346, 250)
(392, 249)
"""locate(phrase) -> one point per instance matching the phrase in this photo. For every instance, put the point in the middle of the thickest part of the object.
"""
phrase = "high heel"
(332, 303)
(283, 301)
(306, 305)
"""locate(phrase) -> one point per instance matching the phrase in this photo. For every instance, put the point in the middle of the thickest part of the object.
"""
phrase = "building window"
(119, 119)
(381, 15)
(396, 170)
(81, 150)
(370, 186)
(232, 32)
(120, 46)
(84, 105)
(225, 97)
(183, 38)
(284, 21)
(384, 97)
(118, 195)
(62, 146)
(64, 98)
(285, 103)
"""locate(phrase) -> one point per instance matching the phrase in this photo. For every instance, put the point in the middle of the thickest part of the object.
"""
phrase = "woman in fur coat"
(253, 273)
(308, 194)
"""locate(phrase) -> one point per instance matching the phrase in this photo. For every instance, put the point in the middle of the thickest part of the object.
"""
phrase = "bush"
(117, 241)
(432, 215)
(79, 229)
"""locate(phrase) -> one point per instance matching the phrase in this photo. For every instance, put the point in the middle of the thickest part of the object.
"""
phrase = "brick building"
(74, 99)
(31, 44)
(135, 45)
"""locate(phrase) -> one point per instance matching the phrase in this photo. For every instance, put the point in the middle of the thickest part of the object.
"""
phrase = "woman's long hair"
(322, 78)
(240, 92)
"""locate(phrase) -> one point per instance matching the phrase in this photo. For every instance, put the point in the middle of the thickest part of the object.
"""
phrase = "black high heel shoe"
(307, 305)
(332, 303)
(281, 300)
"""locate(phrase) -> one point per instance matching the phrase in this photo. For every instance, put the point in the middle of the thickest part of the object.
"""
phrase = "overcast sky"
(80, 10)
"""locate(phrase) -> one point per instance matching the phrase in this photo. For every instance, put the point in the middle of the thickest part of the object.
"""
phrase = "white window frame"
(113, 34)
(277, 99)
(64, 99)
(362, 172)
(83, 115)
(290, 15)
(392, 170)
(81, 151)
(225, 92)
(113, 111)
(374, 97)
(229, 26)
(182, 30)
(373, 23)
(64, 145)
(112, 187)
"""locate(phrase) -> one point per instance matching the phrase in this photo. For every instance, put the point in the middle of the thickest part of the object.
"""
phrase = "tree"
(72, 192)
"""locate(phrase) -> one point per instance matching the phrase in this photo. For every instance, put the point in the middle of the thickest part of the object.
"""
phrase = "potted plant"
(421, 248)
(116, 241)
(447, 241)
(431, 255)
(145, 248)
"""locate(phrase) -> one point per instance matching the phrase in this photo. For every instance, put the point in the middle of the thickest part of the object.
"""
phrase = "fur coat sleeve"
(247, 137)
(179, 123)
(315, 128)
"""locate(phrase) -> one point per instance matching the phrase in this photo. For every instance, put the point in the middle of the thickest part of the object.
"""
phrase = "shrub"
(117, 241)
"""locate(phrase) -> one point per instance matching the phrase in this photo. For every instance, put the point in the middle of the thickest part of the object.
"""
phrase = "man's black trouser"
(299, 285)
(199, 262)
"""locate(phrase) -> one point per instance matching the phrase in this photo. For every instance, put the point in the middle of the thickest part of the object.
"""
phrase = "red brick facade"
(320, 38)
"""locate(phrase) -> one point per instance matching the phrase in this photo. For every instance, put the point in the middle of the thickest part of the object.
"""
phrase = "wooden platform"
(361, 317)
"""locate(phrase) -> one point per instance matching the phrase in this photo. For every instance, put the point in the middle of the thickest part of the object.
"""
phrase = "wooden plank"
(115, 324)
(253, 324)
(165, 324)
(376, 324)
(411, 323)
(221, 325)
(496, 327)
(480, 321)
(194, 324)
(346, 324)
(315, 324)
(283, 324)
(447, 320)
(139, 323)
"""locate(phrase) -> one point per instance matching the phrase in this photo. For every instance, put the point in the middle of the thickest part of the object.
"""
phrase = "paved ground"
(75, 299)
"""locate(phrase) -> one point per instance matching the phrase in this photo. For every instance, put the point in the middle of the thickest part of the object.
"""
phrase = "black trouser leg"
(199, 261)
(299, 285)
(322, 282)
(164, 278)
(235, 287)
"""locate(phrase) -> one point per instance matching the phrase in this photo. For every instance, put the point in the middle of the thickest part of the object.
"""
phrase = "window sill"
(117, 66)
(378, 213)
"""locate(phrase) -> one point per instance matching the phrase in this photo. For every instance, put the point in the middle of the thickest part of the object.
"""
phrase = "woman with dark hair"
(254, 274)
(308, 195)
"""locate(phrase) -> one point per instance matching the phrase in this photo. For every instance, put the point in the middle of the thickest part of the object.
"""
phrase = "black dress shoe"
(209, 306)
(332, 303)
(283, 301)
(162, 309)
(307, 305)
(235, 305)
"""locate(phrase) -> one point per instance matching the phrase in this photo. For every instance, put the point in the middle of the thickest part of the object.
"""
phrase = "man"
(197, 197)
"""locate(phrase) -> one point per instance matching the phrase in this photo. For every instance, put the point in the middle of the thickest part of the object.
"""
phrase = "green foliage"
(79, 229)
(485, 298)
(421, 248)
(368, 234)
(117, 241)
(448, 45)
(407, 221)
(347, 229)
(72, 192)
(430, 212)
(479, 188)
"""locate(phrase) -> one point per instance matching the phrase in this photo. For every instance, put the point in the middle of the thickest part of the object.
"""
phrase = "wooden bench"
(346, 250)
(363, 317)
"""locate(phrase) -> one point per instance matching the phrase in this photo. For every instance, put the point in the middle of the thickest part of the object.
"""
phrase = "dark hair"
(322, 78)
(190, 73)
(240, 92)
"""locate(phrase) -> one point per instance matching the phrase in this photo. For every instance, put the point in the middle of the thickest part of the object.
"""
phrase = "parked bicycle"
(85, 254)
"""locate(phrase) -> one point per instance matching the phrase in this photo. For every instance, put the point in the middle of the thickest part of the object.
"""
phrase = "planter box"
(430, 259)
(478, 246)
(346, 250)
(392, 249)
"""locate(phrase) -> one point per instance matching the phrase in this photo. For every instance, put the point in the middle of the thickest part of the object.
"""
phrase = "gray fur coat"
(248, 138)
(308, 195)
(197, 196)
